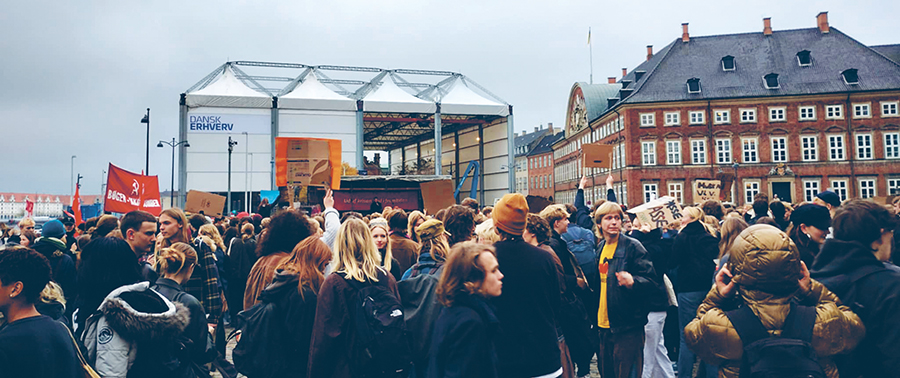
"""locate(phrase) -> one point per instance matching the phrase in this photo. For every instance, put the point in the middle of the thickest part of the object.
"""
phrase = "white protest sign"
(706, 190)
(659, 212)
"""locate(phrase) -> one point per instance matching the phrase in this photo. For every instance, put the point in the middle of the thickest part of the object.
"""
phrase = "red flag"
(29, 208)
(127, 191)
(76, 207)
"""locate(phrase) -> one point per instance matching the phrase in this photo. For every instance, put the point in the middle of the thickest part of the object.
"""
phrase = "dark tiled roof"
(528, 139)
(757, 55)
(595, 96)
(543, 146)
(890, 51)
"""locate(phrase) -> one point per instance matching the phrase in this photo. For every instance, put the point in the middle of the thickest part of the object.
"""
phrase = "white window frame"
(775, 110)
(751, 189)
(891, 145)
(867, 187)
(813, 150)
(648, 119)
(810, 113)
(696, 117)
(648, 156)
(779, 149)
(750, 145)
(890, 109)
(811, 187)
(672, 118)
(893, 186)
(834, 111)
(650, 187)
(676, 190)
(748, 115)
(722, 116)
(673, 157)
(723, 151)
(833, 149)
(864, 146)
(840, 190)
(698, 157)
(862, 110)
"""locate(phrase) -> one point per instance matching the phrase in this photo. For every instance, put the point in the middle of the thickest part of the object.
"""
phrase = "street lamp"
(72, 176)
(231, 144)
(146, 120)
(173, 145)
(736, 190)
(246, 172)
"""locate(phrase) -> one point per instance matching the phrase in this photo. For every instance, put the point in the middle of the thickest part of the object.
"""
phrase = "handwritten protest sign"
(659, 212)
(706, 190)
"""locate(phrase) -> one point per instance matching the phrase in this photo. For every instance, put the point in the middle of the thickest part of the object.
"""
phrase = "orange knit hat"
(510, 213)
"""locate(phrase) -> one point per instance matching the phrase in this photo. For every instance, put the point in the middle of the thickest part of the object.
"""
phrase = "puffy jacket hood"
(765, 263)
(138, 313)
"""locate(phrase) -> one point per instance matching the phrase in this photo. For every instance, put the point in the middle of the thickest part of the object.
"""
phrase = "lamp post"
(146, 120)
(246, 172)
(173, 144)
(72, 176)
(231, 144)
(736, 190)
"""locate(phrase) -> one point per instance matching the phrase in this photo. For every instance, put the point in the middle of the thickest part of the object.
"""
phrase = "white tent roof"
(462, 100)
(389, 98)
(313, 95)
(228, 91)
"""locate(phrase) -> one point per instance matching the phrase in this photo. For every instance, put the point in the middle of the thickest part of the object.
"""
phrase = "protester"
(459, 221)
(211, 237)
(433, 251)
(70, 233)
(416, 218)
(139, 231)
(811, 225)
(242, 256)
(779, 214)
(485, 233)
(334, 348)
(463, 339)
(53, 246)
(829, 199)
(106, 264)
(403, 248)
(713, 208)
(176, 266)
(26, 224)
(28, 238)
(53, 304)
(766, 277)
(731, 228)
(31, 345)
(265, 209)
(105, 224)
(853, 265)
(379, 228)
(376, 206)
(285, 230)
(527, 344)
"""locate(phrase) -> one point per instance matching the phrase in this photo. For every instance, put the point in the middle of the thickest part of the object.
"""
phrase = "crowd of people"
(469, 291)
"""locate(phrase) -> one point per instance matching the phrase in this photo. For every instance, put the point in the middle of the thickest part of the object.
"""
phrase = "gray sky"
(76, 77)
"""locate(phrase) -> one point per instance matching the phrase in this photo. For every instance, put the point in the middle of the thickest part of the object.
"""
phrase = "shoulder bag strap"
(747, 325)
(799, 323)
(85, 366)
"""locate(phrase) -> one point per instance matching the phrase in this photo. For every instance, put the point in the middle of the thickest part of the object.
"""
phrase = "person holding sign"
(623, 279)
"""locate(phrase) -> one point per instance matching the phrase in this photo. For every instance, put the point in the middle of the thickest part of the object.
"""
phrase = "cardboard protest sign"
(437, 195)
(210, 204)
(308, 162)
(597, 155)
(659, 212)
(707, 190)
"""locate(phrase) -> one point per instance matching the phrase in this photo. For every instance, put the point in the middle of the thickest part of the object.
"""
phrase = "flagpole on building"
(591, 49)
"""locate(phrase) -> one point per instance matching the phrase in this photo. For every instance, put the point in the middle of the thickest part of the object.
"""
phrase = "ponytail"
(176, 258)
(247, 231)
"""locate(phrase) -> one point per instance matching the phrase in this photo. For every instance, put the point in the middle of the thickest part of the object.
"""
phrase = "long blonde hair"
(210, 231)
(411, 227)
(383, 224)
(355, 253)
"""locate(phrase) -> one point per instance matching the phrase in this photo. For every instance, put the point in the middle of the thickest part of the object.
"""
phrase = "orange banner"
(308, 161)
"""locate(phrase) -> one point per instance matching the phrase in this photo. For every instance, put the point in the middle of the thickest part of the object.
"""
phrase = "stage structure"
(427, 123)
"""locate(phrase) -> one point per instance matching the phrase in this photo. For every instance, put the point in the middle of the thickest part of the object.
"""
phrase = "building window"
(698, 151)
(648, 119)
(810, 189)
(770, 81)
(751, 189)
(891, 145)
(840, 187)
(696, 118)
(673, 152)
(779, 149)
(889, 109)
(807, 113)
(810, 147)
(804, 59)
(676, 190)
(866, 188)
(651, 192)
(748, 115)
(834, 112)
(723, 151)
(750, 150)
(864, 146)
(673, 118)
(728, 63)
(861, 111)
(776, 114)
(648, 153)
(693, 85)
(851, 76)
(835, 147)
(893, 187)
(722, 116)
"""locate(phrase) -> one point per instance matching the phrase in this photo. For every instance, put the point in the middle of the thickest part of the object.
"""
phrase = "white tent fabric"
(460, 99)
(389, 98)
(228, 91)
(311, 94)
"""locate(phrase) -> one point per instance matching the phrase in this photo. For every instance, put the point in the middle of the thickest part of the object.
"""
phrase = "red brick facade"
(540, 175)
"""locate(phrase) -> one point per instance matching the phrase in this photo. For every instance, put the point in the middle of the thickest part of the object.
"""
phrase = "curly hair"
(459, 221)
(21, 264)
(285, 230)
(539, 227)
(714, 208)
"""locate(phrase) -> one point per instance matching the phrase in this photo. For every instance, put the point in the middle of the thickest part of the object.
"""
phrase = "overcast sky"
(76, 77)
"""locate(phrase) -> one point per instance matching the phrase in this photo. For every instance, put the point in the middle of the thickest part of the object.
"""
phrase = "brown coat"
(764, 259)
(404, 250)
(262, 274)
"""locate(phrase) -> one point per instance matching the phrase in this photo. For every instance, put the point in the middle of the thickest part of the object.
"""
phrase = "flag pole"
(591, 49)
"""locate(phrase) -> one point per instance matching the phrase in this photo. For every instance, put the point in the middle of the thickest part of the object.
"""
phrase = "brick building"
(789, 113)
(540, 163)
(524, 143)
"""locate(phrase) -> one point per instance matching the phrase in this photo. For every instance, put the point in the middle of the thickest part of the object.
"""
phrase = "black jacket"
(875, 297)
(692, 253)
(567, 259)
(627, 308)
(527, 344)
(62, 266)
(196, 329)
(295, 314)
(583, 214)
(659, 251)
(462, 344)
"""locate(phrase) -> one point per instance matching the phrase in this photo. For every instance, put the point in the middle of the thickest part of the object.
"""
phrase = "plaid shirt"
(204, 283)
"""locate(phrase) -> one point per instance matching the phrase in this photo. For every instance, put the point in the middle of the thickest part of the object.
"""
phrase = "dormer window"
(693, 85)
(804, 59)
(639, 74)
(728, 63)
(625, 83)
(850, 76)
(771, 81)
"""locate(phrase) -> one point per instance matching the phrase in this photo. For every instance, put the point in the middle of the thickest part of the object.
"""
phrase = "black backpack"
(253, 355)
(788, 356)
(381, 346)
(420, 310)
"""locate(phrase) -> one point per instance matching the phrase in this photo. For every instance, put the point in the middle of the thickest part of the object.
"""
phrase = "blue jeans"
(687, 311)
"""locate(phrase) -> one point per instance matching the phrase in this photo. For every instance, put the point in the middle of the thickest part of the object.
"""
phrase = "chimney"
(767, 26)
(649, 51)
(822, 21)
(550, 127)
(536, 129)
(611, 80)
(524, 132)
(624, 72)
(685, 37)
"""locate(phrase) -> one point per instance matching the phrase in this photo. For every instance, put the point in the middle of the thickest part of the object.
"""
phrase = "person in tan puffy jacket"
(766, 274)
